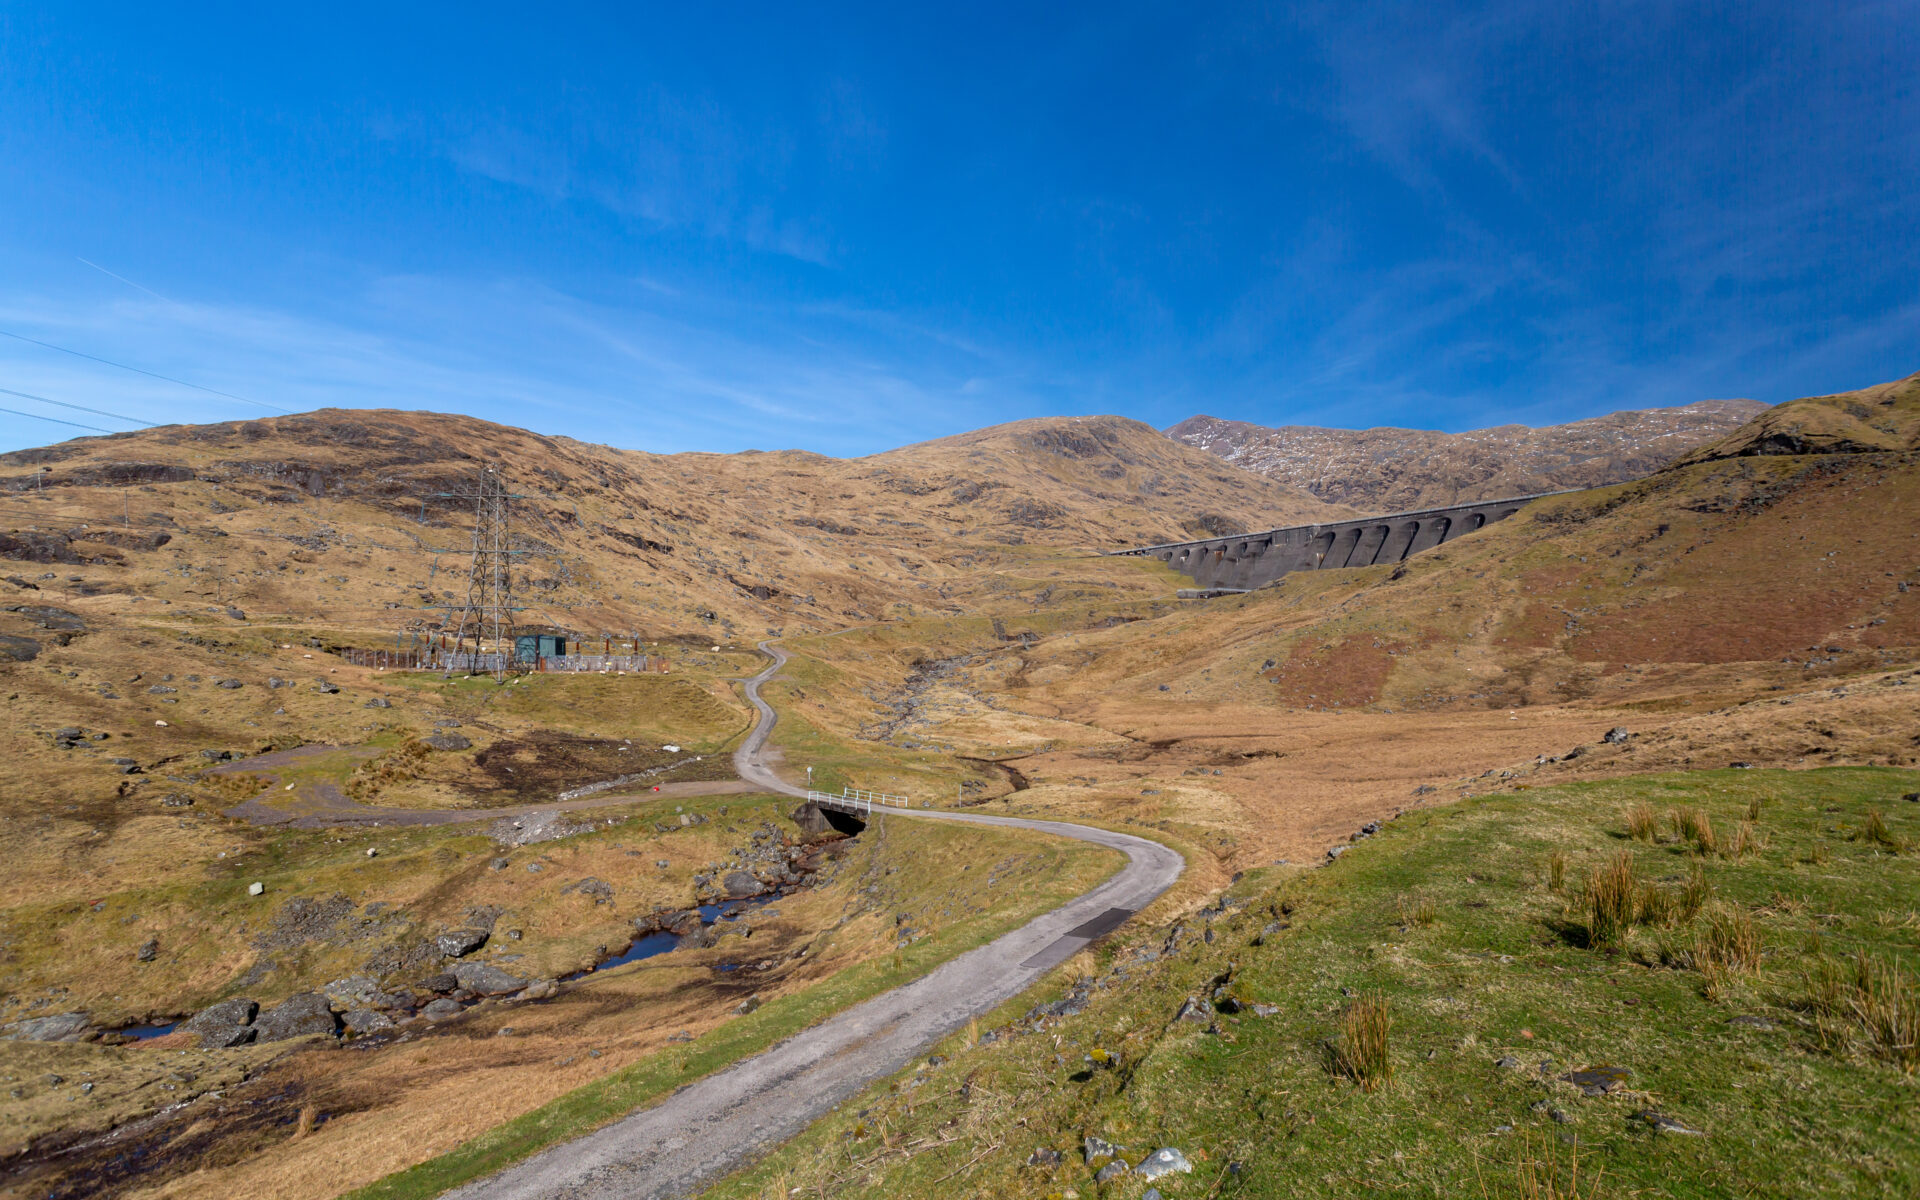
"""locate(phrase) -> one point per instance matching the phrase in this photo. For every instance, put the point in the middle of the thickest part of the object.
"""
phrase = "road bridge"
(1246, 561)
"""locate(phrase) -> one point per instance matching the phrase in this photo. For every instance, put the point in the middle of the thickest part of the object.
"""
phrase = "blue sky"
(727, 226)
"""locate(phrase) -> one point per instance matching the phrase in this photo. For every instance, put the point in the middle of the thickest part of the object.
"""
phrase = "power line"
(98, 412)
(56, 420)
(21, 337)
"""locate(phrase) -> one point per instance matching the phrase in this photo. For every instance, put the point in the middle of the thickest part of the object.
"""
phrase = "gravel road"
(727, 1120)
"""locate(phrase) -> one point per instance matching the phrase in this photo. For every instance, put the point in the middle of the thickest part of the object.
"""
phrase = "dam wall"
(1249, 560)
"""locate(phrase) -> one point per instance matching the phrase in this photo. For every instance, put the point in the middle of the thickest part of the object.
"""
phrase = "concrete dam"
(1249, 560)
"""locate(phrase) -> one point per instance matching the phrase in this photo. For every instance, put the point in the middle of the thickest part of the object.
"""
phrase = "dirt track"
(730, 1118)
(324, 805)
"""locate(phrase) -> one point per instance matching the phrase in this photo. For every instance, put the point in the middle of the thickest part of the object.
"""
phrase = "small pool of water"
(662, 942)
(143, 1032)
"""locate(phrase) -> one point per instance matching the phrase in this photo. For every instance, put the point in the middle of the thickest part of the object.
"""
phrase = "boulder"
(447, 741)
(148, 951)
(443, 982)
(458, 943)
(228, 1023)
(379, 702)
(740, 884)
(1164, 1161)
(296, 1016)
(18, 649)
(1045, 1156)
(484, 979)
(366, 1020)
(229, 684)
(442, 1010)
(357, 991)
(1111, 1171)
(64, 1027)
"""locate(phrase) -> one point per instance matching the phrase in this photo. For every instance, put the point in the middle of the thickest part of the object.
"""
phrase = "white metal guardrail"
(856, 800)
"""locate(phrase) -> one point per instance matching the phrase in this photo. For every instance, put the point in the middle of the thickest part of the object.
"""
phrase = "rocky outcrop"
(1398, 470)
(296, 1016)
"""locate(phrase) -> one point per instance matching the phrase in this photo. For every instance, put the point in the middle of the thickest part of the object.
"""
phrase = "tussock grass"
(1361, 1054)
(1643, 824)
(1539, 1175)
(1745, 841)
(1415, 910)
(1877, 832)
(1557, 871)
(1875, 1000)
(1693, 825)
(1613, 900)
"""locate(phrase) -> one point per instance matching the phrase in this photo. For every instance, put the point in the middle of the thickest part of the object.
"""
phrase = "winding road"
(728, 1119)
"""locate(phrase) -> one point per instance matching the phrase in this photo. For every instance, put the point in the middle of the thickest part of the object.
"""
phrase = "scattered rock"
(753, 1002)
(1164, 1161)
(64, 1027)
(161, 689)
(484, 979)
(325, 687)
(1751, 1022)
(1044, 1157)
(447, 741)
(296, 1016)
(1112, 1170)
(1616, 735)
(379, 702)
(1092, 1149)
(460, 942)
(1665, 1124)
(1265, 1010)
(599, 889)
(1598, 1081)
(1507, 1062)
(148, 951)
(539, 989)
(441, 1010)
(176, 800)
(1193, 1010)
(256, 888)
(236, 614)
(18, 649)
(1337, 851)
(229, 684)
(443, 982)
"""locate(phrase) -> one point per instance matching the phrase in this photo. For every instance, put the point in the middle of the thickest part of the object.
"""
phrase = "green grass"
(1051, 871)
(1821, 1103)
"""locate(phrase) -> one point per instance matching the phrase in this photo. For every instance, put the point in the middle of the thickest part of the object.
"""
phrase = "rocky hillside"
(356, 517)
(1394, 470)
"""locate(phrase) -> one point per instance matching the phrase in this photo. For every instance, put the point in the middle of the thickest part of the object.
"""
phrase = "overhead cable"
(98, 412)
(21, 337)
(56, 420)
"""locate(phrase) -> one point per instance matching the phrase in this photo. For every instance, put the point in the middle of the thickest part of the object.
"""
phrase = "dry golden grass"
(1612, 900)
(1557, 871)
(1643, 825)
(1362, 1053)
(1415, 910)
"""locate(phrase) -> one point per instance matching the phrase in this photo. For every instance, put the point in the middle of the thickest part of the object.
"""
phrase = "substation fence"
(856, 800)
(446, 660)
(601, 662)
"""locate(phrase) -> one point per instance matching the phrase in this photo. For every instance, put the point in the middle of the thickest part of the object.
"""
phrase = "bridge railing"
(856, 800)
